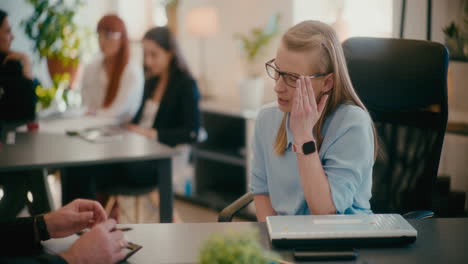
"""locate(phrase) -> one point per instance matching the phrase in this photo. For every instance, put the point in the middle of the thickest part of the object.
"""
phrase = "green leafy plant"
(254, 43)
(45, 96)
(54, 31)
(456, 34)
(235, 248)
(451, 30)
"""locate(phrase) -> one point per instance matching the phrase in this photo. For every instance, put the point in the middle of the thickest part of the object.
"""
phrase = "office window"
(350, 18)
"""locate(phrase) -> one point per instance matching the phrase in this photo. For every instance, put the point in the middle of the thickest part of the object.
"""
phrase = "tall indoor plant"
(56, 35)
(456, 34)
(171, 13)
(253, 46)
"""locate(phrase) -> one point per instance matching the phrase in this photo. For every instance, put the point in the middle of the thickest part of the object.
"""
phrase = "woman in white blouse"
(112, 85)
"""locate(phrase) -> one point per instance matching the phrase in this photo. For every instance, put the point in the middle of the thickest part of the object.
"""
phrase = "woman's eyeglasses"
(288, 77)
(110, 35)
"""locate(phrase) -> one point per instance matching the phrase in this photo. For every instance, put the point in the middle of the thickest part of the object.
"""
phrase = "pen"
(123, 229)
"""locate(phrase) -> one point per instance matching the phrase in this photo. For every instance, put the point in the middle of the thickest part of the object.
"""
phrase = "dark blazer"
(17, 93)
(178, 117)
(18, 243)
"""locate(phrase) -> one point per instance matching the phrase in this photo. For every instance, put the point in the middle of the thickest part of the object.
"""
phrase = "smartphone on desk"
(329, 254)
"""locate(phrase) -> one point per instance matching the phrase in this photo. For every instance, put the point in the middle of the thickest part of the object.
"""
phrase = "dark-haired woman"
(169, 113)
(17, 96)
(112, 85)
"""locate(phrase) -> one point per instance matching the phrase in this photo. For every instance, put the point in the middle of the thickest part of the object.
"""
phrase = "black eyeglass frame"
(282, 73)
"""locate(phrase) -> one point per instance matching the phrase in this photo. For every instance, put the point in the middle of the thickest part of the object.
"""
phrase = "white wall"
(455, 153)
(223, 57)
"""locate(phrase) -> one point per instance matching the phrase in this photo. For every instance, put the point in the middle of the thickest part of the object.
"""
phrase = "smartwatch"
(305, 149)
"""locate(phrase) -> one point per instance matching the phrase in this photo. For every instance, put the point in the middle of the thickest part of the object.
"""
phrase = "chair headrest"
(397, 74)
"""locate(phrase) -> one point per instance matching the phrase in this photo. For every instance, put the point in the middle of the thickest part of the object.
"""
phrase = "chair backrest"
(403, 83)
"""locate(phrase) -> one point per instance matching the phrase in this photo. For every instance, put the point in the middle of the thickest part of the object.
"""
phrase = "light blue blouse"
(347, 156)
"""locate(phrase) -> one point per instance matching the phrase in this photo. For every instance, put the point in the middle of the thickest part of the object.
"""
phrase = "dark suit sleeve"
(19, 100)
(42, 259)
(18, 243)
(17, 237)
(188, 131)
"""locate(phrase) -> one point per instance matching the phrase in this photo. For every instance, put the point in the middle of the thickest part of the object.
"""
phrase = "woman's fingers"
(306, 91)
(295, 103)
(299, 91)
(311, 94)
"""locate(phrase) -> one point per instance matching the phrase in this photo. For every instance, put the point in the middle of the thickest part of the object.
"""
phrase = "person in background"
(17, 107)
(321, 157)
(112, 86)
(169, 113)
(17, 85)
(20, 237)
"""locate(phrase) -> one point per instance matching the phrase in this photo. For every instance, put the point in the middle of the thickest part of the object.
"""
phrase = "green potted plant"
(235, 248)
(253, 46)
(456, 34)
(171, 13)
(55, 94)
(56, 35)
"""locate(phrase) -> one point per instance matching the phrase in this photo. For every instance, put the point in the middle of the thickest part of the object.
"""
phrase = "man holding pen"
(20, 238)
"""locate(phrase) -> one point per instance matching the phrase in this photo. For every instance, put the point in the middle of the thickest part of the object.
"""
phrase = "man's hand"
(23, 59)
(73, 217)
(100, 245)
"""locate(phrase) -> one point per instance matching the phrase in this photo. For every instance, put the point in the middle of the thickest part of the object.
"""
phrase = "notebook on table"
(372, 230)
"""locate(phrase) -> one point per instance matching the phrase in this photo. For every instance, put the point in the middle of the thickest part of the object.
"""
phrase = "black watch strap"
(41, 228)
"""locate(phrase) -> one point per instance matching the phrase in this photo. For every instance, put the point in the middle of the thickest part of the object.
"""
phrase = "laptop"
(370, 230)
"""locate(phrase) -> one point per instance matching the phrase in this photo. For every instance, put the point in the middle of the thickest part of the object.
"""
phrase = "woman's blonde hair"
(317, 36)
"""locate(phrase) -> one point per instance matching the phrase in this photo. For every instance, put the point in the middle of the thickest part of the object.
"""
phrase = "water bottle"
(188, 186)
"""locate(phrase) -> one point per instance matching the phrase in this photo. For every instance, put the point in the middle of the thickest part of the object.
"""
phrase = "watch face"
(308, 147)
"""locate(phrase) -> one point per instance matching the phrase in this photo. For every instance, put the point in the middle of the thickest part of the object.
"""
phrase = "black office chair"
(403, 83)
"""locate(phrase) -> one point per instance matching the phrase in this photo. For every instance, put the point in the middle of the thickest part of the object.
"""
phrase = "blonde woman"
(315, 147)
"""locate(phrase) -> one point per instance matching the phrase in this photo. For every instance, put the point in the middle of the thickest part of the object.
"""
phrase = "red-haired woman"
(112, 85)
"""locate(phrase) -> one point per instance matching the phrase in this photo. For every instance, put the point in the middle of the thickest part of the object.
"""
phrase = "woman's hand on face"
(305, 112)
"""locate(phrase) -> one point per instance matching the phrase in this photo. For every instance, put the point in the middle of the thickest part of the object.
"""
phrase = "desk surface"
(441, 240)
(40, 150)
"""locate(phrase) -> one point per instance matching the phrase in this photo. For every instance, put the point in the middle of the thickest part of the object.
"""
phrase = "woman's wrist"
(154, 134)
(303, 139)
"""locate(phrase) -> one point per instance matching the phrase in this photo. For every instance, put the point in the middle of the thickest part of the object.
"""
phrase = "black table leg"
(166, 195)
(39, 187)
(13, 185)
